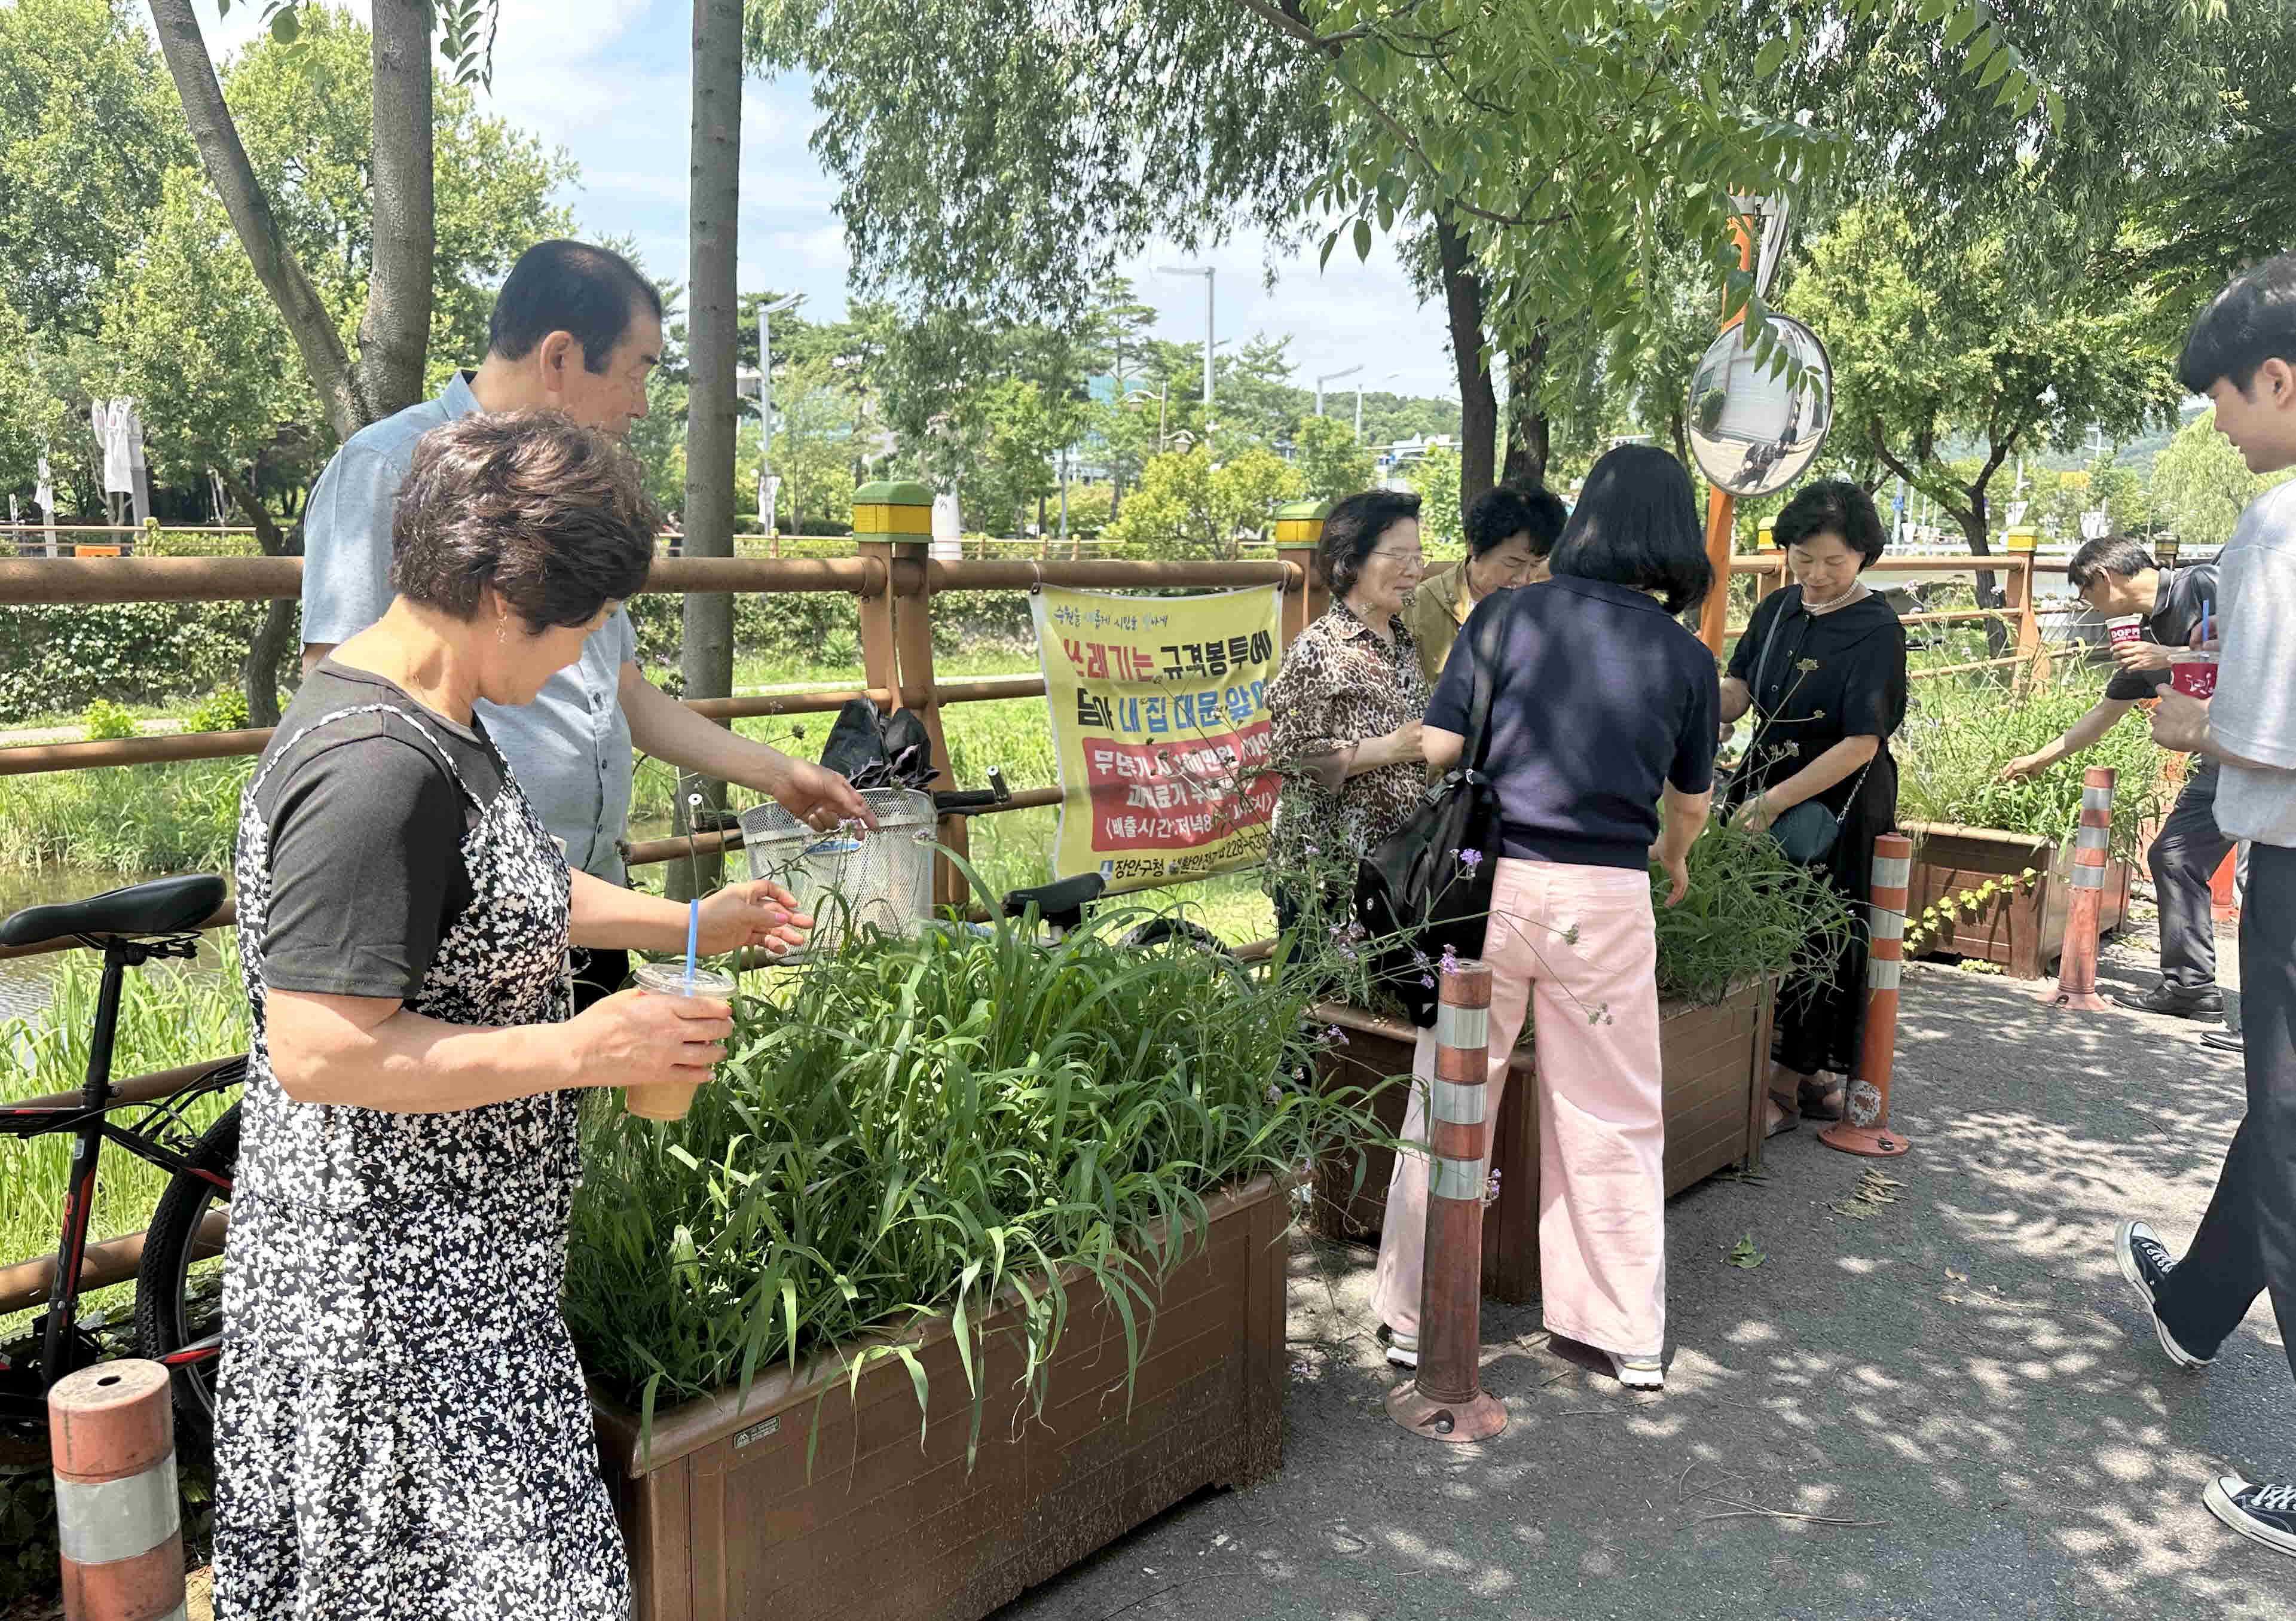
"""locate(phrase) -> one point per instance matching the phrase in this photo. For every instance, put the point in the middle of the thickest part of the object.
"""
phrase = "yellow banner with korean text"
(1159, 721)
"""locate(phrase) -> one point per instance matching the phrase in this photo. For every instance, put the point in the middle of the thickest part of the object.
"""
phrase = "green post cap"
(891, 493)
(1302, 512)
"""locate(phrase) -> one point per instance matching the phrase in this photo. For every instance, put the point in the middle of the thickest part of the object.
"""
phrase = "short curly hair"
(1353, 527)
(552, 516)
(1835, 506)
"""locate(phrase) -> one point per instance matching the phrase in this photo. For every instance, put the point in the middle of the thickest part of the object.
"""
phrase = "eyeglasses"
(1417, 557)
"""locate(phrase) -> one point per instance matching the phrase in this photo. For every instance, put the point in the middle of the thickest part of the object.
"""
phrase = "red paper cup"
(2194, 676)
(2128, 628)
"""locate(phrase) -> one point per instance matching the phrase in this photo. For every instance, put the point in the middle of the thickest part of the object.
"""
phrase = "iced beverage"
(671, 1100)
(2193, 674)
(2128, 628)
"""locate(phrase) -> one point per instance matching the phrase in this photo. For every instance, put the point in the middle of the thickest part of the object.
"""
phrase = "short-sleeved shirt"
(2253, 714)
(366, 828)
(2176, 614)
(1603, 700)
(571, 747)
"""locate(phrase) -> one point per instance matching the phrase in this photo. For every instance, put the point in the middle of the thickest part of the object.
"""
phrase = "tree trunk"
(324, 359)
(395, 333)
(275, 638)
(1478, 404)
(1972, 520)
(711, 408)
(1529, 435)
(1680, 431)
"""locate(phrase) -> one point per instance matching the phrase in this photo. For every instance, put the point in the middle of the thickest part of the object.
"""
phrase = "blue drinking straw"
(2204, 622)
(693, 938)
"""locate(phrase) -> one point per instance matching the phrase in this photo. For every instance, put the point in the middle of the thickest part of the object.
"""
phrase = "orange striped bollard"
(1445, 1401)
(1863, 1127)
(112, 1436)
(2077, 965)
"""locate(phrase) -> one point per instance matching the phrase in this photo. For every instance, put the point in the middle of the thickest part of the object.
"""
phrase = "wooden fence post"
(2021, 598)
(896, 521)
(1299, 533)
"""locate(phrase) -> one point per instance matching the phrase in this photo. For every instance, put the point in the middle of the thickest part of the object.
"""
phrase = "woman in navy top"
(1604, 707)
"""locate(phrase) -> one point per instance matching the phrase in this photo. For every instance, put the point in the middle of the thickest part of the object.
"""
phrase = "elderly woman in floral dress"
(1346, 711)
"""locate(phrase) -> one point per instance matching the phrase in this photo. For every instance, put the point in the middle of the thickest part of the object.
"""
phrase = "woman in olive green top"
(1509, 533)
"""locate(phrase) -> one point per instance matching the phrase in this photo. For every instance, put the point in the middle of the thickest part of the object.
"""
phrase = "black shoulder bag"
(1428, 885)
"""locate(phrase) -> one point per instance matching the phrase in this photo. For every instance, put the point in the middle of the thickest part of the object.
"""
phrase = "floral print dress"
(1340, 686)
(403, 1429)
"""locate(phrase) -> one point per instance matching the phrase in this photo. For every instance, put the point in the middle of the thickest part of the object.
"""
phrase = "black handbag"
(1427, 886)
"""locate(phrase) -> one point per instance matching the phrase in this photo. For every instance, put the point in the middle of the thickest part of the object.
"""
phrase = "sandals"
(1822, 1099)
(1789, 1116)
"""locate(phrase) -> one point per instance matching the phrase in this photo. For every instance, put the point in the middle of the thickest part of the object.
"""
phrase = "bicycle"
(178, 1310)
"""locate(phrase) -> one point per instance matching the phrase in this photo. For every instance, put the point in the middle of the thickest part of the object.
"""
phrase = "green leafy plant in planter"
(1970, 903)
(1958, 734)
(911, 1128)
(1750, 914)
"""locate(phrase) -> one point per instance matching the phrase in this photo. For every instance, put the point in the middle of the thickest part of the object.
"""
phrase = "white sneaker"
(1402, 1349)
(1637, 1372)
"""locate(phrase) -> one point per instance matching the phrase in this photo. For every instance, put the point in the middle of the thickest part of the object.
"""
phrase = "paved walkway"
(1961, 1372)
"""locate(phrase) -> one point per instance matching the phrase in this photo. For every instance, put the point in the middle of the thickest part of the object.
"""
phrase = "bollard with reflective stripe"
(2077, 966)
(1865, 1127)
(112, 1436)
(1445, 1401)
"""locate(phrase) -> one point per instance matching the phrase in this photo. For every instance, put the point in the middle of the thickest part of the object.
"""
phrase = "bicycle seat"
(164, 906)
(1067, 897)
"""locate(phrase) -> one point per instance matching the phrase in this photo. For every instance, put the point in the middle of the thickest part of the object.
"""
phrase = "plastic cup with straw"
(671, 1100)
(2192, 672)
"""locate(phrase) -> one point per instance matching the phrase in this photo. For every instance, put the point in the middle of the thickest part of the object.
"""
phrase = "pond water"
(24, 980)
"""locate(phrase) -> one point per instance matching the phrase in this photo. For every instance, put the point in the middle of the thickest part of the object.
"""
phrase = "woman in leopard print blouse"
(1346, 708)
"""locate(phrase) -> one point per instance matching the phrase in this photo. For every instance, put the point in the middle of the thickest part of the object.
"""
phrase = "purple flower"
(1336, 1036)
(1469, 859)
(1275, 1093)
(1491, 1190)
(1311, 850)
(1426, 983)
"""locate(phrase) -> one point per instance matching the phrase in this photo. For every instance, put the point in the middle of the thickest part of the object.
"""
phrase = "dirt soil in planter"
(1957, 1364)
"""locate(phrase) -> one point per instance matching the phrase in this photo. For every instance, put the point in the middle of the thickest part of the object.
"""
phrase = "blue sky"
(607, 80)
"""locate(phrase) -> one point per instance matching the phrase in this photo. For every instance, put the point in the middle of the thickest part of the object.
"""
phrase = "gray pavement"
(1961, 1372)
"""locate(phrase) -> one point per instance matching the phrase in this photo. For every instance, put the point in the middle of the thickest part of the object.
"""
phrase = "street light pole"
(1334, 377)
(766, 312)
(1207, 272)
(1390, 377)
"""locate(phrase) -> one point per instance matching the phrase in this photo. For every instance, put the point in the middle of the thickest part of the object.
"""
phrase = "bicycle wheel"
(179, 1285)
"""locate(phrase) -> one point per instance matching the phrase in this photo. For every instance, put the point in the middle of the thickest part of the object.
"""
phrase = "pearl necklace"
(1819, 610)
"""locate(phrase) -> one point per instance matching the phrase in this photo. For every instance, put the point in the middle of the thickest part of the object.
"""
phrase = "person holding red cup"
(2154, 617)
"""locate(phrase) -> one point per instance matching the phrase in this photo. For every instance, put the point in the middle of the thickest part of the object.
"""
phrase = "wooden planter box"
(725, 1521)
(1714, 1061)
(2025, 931)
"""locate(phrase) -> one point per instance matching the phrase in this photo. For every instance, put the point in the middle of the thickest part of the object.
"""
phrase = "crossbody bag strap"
(1479, 709)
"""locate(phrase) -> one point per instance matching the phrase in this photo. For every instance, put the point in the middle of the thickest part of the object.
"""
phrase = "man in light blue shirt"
(575, 329)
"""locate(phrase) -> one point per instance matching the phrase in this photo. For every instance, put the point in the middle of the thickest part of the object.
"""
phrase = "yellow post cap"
(1300, 522)
(2023, 538)
(892, 510)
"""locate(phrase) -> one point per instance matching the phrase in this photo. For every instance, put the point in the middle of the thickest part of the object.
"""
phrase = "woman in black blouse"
(1823, 667)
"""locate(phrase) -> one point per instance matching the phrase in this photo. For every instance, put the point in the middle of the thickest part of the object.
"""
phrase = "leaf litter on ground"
(1873, 1191)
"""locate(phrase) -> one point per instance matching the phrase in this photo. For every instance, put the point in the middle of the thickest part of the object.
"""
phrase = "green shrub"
(106, 719)
(1959, 734)
(60, 655)
(224, 710)
(908, 1128)
(1750, 914)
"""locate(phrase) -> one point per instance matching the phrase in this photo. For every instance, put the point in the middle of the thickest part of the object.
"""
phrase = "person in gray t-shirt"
(2241, 354)
(575, 329)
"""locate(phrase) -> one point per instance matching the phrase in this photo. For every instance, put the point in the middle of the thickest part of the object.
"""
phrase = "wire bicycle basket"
(850, 879)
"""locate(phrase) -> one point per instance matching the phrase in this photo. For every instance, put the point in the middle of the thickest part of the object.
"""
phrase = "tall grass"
(908, 1129)
(1958, 734)
(180, 816)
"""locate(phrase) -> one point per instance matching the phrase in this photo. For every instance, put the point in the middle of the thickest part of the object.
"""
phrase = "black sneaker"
(2144, 1261)
(2177, 1001)
(2223, 1041)
(2263, 1514)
